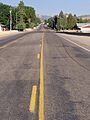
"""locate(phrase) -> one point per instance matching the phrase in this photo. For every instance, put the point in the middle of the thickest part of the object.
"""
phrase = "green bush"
(21, 26)
(27, 25)
(32, 25)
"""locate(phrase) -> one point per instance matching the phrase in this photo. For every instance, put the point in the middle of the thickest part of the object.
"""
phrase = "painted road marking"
(6, 45)
(41, 96)
(38, 56)
(33, 99)
(76, 44)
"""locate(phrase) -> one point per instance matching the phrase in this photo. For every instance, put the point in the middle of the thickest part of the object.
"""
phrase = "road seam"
(41, 96)
(33, 99)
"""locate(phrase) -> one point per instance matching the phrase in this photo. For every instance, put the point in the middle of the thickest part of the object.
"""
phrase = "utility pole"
(10, 18)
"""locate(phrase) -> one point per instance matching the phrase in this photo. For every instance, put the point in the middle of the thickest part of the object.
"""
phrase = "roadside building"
(2, 27)
(84, 17)
(84, 27)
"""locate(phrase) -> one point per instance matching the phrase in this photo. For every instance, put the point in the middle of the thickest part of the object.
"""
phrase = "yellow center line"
(41, 96)
(6, 45)
(33, 99)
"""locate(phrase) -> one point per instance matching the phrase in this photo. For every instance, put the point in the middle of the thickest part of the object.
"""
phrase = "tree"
(30, 19)
(14, 17)
(51, 23)
(30, 13)
(21, 15)
(21, 11)
(58, 24)
(55, 22)
(4, 14)
(62, 21)
(71, 21)
(61, 14)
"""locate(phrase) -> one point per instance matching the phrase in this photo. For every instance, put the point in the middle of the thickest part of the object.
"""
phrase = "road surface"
(43, 76)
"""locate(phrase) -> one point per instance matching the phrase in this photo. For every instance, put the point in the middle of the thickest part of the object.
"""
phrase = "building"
(84, 27)
(84, 17)
(2, 27)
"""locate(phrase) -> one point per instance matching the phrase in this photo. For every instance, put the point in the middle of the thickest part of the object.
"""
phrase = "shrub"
(21, 26)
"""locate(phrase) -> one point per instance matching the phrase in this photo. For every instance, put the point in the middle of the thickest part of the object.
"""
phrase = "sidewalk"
(4, 33)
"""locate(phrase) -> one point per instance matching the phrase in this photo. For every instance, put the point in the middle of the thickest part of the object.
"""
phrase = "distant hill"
(45, 17)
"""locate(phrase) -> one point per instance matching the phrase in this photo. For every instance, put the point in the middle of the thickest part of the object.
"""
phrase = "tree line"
(64, 21)
(22, 16)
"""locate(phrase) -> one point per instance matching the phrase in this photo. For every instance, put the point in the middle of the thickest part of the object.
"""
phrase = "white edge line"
(76, 44)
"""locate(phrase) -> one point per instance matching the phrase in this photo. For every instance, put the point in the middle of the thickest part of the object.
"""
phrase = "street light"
(10, 19)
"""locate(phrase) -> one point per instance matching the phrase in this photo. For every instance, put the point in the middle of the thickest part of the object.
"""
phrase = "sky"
(53, 7)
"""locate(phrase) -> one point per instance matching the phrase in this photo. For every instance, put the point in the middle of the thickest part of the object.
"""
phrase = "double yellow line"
(41, 96)
(34, 89)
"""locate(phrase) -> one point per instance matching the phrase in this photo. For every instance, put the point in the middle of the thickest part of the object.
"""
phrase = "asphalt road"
(19, 72)
(66, 78)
